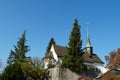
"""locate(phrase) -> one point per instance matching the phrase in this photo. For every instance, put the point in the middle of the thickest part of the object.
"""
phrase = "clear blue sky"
(43, 19)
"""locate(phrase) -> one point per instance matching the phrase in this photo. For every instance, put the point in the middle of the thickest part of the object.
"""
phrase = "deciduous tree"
(113, 59)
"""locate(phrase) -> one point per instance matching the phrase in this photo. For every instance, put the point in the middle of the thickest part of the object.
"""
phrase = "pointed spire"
(88, 39)
(89, 48)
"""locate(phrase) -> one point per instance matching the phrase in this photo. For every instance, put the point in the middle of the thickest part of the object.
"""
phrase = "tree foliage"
(18, 54)
(73, 59)
(52, 41)
(21, 67)
(13, 72)
(34, 61)
(23, 71)
(32, 72)
(113, 59)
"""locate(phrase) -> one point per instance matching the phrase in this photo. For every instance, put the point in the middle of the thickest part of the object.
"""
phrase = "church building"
(90, 58)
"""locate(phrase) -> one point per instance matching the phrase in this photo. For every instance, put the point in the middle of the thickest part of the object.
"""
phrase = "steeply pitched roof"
(92, 58)
(60, 50)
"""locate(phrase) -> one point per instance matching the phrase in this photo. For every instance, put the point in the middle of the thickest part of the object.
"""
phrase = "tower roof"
(88, 43)
(88, 40)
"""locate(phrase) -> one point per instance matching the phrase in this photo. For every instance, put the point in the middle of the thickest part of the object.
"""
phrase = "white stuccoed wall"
(54, 53)
(54, 56)
(97, 65)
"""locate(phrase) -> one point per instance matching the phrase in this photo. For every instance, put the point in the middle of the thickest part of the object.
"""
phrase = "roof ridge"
(58, 45)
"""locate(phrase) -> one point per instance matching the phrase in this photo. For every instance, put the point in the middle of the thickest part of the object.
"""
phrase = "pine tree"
(18, 54)
(73, 59)
(52, 41)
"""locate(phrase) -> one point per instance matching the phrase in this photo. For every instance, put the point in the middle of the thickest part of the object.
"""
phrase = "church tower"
(89, 48)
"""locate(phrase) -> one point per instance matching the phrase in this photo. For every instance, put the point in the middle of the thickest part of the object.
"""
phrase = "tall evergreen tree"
(52, 41)
(73, 59)
(20, 50)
